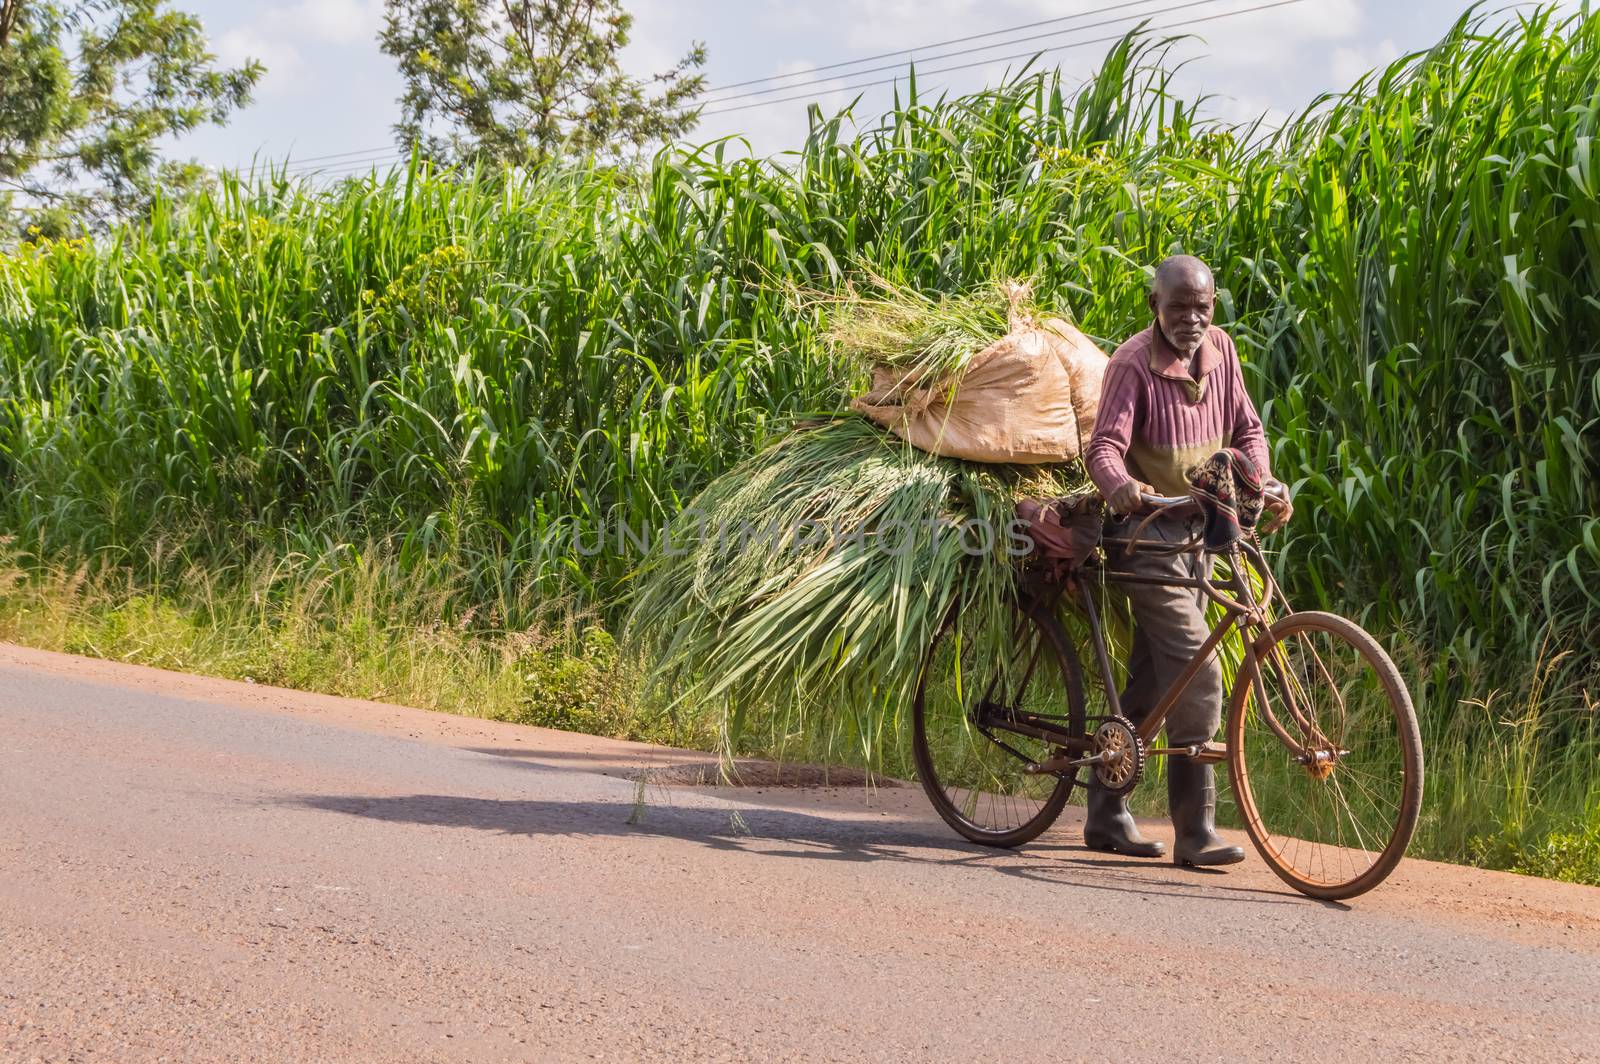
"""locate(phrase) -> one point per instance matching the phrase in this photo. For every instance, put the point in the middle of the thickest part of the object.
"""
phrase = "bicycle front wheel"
(1325, 755)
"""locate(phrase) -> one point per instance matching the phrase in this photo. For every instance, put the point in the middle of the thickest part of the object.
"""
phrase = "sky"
(330, 92)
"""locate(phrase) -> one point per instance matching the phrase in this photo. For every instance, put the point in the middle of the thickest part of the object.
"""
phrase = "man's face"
(1183, 306)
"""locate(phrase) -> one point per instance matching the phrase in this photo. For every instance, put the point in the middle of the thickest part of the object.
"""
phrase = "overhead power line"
(355, 161)
(351, 168)
(338, 157)
(292, 164)
(387, 155)
(1000, 58)
(982, 48)
(932, 44)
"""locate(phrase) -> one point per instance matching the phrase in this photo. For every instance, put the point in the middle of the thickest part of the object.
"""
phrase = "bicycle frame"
(1242, 611)
(1302, 687)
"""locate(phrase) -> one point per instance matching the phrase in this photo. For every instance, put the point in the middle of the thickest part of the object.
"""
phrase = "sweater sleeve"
(1245, 429)
(1106, 456)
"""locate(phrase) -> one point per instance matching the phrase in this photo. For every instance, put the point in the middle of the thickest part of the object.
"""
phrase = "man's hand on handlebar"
(1133, 497)
(1279, 508)
(1127, 498)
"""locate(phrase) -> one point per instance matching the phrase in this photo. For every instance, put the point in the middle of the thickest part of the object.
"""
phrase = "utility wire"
(1000, 58)
(387, 155)
(358, 161)
(933, 44)
(338, 157)
(351, 168)
(979, 48)
(292, 164)
(291, 167)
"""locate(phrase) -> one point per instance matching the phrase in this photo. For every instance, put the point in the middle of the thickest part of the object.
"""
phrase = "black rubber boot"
(1192, 797)
(1109, 827)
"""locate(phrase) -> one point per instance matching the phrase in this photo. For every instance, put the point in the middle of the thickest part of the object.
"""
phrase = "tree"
(511, 82)
(87, 91)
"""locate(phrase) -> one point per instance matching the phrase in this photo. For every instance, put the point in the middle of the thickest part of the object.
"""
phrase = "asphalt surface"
(199, 870)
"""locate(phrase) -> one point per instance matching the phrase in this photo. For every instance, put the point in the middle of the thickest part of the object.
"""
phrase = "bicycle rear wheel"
(1324, 755)
(968, 762)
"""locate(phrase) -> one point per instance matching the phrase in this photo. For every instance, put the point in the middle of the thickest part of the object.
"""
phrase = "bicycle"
(1321, 742)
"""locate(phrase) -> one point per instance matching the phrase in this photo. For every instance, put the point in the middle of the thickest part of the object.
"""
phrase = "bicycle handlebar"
(1276, 488)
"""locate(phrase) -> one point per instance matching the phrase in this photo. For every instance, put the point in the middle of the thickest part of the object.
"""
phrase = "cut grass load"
(811, 579)
(931, 339)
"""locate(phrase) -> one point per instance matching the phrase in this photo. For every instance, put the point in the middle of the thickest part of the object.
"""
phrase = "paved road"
(199, 870)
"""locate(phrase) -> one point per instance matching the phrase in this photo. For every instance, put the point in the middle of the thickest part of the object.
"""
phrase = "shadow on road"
(783, 833)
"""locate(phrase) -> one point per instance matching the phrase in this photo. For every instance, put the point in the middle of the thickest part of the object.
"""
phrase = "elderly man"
(1173, 396)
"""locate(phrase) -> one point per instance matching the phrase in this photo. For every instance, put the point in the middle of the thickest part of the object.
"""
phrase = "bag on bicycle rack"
(1029, 397)
(1065, 531)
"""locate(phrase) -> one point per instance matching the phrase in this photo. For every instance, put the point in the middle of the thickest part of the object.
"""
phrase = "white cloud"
(285, 65)
(278, 37)
(908, 23)
(778, 127)
(660, 37)
(1281, 39)
(333, 21)
(1348, 64)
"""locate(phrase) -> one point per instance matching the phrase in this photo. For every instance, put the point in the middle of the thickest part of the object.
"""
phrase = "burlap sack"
(1086, 369)
(1016, 402)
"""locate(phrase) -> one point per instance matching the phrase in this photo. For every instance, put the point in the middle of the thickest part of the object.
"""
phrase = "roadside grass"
(354, 625)
(1536, 768)
(1511, 784)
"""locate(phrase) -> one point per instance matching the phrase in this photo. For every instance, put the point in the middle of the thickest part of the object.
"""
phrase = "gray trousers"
(1169, 629)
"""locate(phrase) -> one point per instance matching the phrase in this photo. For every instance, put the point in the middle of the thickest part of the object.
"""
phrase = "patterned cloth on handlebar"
(1231, 494)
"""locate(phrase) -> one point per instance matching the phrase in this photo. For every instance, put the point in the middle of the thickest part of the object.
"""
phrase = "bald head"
(1183, 270)
(1183, 299)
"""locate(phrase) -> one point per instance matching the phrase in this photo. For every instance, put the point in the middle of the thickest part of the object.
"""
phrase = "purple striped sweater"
(1156, 422)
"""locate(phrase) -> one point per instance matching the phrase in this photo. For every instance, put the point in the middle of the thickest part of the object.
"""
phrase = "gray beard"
(1187, 351)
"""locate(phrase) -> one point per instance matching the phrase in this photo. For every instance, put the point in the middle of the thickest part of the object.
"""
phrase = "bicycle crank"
(1118, 758)
(1119, 754)
(1056, 765)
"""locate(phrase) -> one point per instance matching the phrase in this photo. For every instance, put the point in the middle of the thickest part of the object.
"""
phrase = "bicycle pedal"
(1204, 753)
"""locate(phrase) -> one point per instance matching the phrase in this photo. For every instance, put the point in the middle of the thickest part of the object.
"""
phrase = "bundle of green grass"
(806, 583)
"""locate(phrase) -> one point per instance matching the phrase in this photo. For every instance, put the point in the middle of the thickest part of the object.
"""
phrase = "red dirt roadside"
(194, 869)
